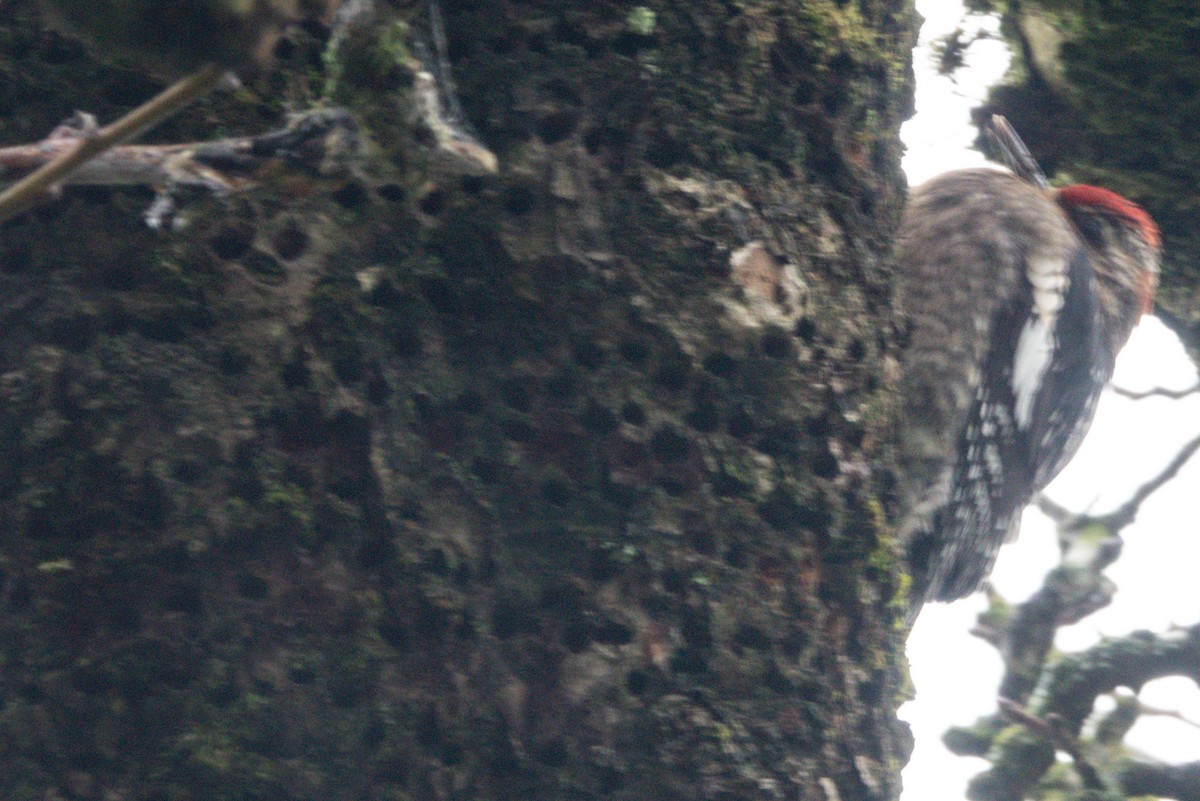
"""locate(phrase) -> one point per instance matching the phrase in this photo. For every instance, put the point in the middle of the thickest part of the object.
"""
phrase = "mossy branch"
(1044, 701)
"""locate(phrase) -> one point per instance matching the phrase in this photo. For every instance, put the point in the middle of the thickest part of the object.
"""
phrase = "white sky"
(956, 675)
(940, 134)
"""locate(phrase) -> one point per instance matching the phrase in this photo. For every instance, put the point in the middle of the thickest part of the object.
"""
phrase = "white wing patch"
(1035, 347)
(1030, 363)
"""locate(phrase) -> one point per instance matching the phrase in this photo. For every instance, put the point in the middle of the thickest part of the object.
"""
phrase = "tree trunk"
(568, 482)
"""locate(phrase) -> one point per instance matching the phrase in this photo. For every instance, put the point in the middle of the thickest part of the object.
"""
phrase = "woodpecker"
(1018, 298)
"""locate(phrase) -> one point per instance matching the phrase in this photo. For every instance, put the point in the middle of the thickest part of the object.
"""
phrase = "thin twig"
(27, 192)
(323, 143)
(1059, 514)
(1158, 392)
(1126, 512)
(1174, 714)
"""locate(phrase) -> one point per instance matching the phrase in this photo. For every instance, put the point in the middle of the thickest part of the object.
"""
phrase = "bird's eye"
(1092, 229)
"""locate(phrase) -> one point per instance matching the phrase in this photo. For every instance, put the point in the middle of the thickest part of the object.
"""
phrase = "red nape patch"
(1083, 195)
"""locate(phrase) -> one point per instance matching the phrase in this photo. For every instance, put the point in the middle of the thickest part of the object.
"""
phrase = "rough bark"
(570, 482)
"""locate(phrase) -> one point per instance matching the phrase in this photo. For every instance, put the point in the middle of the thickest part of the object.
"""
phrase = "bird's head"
(1122, 240)
(1123, 243)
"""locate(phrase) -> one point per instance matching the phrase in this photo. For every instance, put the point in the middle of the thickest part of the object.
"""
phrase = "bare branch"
(78, 153)
(1174, 714)
(321, 142)
(1158, 392)
(1127, 512)
(26, 193)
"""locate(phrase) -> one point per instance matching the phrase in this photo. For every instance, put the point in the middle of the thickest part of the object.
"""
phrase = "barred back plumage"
(1018, 300)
